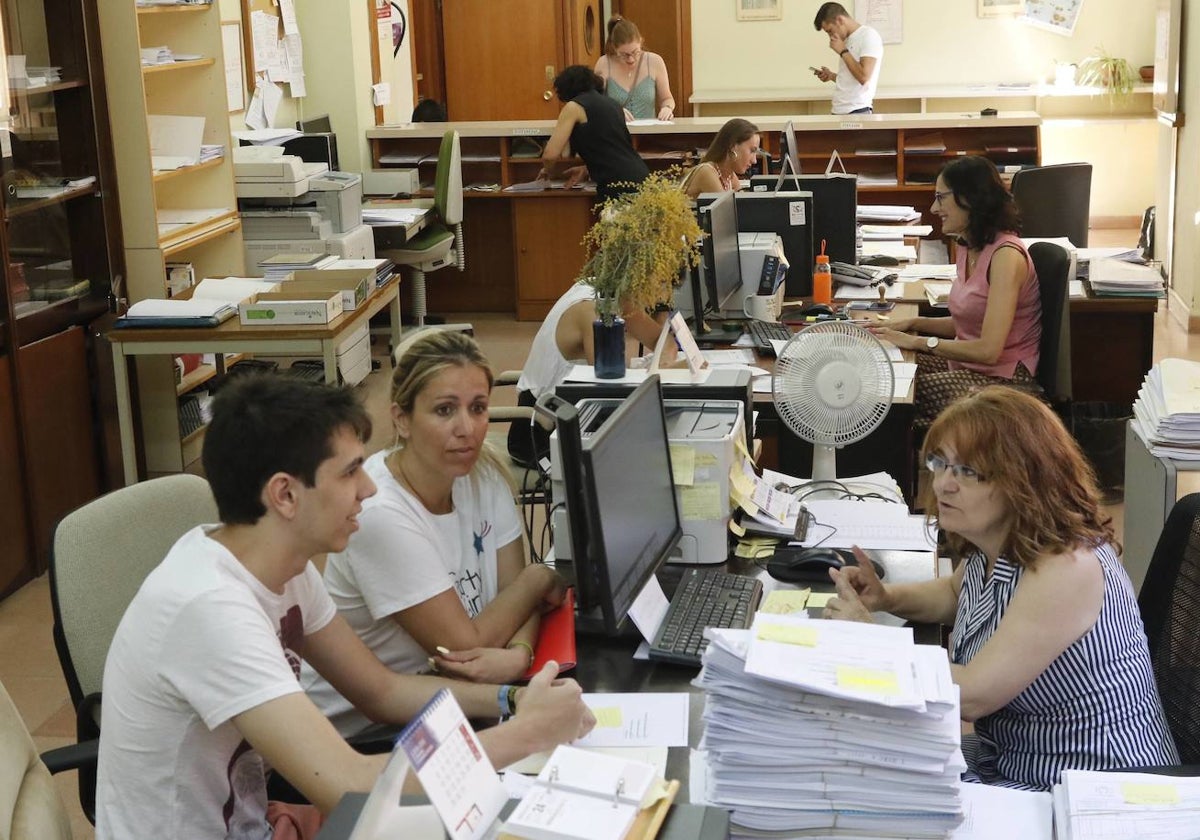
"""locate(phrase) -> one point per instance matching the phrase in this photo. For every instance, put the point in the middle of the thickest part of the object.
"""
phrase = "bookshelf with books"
(60, 249)
(163, 63)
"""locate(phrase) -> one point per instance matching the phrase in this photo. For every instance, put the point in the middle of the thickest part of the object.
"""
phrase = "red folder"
(556, 638)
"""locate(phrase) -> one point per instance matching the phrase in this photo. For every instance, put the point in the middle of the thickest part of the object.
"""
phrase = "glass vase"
(608, 338)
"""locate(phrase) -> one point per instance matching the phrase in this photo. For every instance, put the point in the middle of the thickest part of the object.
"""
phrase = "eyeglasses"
(961, 472)
(939, 197)
(630, 55)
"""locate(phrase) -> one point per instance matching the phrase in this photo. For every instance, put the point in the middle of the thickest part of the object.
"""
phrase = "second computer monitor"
(788, 214)
(835, 205)
(722, 263)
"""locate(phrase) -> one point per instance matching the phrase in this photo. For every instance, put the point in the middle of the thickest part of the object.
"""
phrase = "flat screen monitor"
(315, 125)
(722, 264)
(835, 200)
(791, 155)
(629, 497)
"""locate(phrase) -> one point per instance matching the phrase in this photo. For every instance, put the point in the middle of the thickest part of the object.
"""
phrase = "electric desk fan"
(832, 386)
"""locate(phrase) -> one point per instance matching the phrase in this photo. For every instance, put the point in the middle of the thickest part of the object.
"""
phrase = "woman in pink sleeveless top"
(995, 324)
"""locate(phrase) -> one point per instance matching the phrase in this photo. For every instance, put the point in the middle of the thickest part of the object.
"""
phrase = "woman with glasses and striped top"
(635, 78)
(1047, 646)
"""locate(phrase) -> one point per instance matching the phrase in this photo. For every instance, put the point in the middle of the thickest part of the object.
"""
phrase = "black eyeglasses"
(939, 197)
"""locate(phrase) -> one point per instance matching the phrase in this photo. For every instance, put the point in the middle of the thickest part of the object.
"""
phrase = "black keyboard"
(761, 332)
(705, 598)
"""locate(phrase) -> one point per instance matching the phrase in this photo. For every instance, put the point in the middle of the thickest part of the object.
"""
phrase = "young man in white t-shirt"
(201, 694)
(860, 56)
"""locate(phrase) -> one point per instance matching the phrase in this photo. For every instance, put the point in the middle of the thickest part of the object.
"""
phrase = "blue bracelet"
(502, 698)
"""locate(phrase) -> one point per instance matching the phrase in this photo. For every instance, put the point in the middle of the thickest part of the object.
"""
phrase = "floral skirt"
(937, 386)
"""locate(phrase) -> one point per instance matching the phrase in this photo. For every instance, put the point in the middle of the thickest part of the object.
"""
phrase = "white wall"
(944, 43)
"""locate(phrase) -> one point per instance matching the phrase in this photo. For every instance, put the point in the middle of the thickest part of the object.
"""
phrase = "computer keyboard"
(761, 333)
(704, 598)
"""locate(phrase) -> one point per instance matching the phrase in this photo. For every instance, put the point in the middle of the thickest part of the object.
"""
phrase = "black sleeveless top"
(606, 147)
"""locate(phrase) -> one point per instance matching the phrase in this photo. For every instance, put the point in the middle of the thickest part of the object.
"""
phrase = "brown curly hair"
(1023, 450)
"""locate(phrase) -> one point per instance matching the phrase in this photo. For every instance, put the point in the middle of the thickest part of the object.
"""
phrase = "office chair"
(440, 243)
(1169, 602)
(1055, 201)
(1053, 265)
(29, 802)
(99, 556)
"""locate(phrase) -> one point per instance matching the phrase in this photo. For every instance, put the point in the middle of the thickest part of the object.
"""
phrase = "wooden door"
(502, 57)
(666, 27)
(16, 557)
(547, 265)
(585, 31)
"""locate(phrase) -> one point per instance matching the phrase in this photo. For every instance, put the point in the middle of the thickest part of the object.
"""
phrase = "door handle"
(546, 95)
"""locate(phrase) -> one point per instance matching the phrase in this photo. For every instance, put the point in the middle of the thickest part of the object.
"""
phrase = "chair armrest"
(72, 756)
(505, 414)
(508, 377)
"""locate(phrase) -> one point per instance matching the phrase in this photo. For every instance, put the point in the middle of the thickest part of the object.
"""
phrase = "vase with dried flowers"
(638, 249)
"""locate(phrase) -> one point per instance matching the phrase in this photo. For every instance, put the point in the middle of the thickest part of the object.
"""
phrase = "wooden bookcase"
(60, 250)
(213, 244)
(523, 248)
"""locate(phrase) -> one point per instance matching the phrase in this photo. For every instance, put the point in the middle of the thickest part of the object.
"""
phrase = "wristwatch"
(843, 52)
(932, 342)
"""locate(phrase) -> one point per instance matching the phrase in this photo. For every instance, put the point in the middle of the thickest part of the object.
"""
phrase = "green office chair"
(440, 244)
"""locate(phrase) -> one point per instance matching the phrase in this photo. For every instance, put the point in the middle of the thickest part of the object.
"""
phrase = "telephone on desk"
(857, 276)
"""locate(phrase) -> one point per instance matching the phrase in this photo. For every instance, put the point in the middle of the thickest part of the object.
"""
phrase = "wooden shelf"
(21, 206)
(195, 378)
(194, 435)
(178, 65)
(193, 235)
(168, 174)
(173, 10)
(66, 84)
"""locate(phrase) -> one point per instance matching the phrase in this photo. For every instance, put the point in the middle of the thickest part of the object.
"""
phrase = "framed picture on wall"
(1000, 8)
(759, 9)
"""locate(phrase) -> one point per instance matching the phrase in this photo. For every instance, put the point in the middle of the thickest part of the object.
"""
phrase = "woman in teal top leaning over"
(635, 78)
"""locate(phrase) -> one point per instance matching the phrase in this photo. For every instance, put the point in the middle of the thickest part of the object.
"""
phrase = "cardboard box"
(291, 308)
(355, 284)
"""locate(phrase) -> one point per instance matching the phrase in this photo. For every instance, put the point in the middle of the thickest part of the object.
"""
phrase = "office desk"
(1112, 343)
(232, 337)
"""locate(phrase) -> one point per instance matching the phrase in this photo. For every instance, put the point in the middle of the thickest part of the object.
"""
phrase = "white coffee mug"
(761, 307)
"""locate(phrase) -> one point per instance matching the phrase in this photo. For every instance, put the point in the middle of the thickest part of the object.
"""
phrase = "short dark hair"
(429, 110)
(990, 207)
(828, 12)
(575, 80)
(263, 424)
(736, 130)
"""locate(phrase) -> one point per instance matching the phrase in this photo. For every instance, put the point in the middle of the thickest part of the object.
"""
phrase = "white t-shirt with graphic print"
(201, 642)
(403, 555)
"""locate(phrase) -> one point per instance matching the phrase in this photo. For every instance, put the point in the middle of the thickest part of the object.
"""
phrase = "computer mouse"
(816, 309)
(791, 564)
(880, 260)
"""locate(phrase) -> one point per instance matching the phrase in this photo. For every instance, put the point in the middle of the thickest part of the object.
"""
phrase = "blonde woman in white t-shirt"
(436, 577)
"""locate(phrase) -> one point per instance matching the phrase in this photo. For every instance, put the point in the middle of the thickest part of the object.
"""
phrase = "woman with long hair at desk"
(730, 154)
(436, 576)
(1047, 645)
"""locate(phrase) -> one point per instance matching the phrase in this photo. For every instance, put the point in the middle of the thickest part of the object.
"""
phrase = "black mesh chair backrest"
(1053, 266)
(1055, 201)
(1170, 606)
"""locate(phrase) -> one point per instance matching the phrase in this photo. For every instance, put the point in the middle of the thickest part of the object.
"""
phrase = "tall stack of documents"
(829, 728)
(1117, 278)
(279, 266)
(1166, 414)
(887, 213)
(1091, 805)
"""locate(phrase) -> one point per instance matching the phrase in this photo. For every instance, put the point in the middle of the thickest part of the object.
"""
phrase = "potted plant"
(1115, 75)
(638, 249)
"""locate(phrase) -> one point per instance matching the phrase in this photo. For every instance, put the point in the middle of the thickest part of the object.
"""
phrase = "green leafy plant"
(640, 245)
(1115, 75)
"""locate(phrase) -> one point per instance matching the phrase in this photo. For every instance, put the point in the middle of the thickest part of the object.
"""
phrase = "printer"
(707, 431)
(266, 172)
(764, 268)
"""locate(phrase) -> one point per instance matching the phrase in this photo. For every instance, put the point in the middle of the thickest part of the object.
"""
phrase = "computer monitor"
(835, 201)
(722, 264)
(791, 155)
(315, 125)
(628, 495)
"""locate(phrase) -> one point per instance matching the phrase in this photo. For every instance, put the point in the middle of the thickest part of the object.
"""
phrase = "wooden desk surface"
(234, 330)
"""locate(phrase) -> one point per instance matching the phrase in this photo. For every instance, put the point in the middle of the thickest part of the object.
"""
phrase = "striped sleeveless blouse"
(1095, 707)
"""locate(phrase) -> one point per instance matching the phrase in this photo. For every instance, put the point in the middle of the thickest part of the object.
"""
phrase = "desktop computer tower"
(835, 210)
(788, 214)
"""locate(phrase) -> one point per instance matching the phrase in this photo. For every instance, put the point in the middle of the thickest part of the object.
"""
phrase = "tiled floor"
(29, 666)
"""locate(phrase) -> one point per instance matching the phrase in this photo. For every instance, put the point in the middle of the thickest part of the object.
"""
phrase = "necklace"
(396, 465)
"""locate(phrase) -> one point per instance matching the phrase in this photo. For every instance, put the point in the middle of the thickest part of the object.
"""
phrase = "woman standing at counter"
(592, 126)
(731, 153)
(634, 78)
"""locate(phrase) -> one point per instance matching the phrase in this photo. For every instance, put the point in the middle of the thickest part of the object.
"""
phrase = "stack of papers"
(384, 269)
(856, 727)
(887, 213)
(276, 267)
(209, 152)
(390, 216)
(152, 56)
(938, 294)
(232, 290)
(1166, 414)
(1116, 278)
(928, 271)
(177, 313)
(1091, 805)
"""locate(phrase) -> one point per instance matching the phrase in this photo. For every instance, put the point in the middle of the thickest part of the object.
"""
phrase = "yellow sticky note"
(683, 465)
(868, 679)
(744, 502)
(1135, 793)
(700, 502)
(820, 599)
(739, 445)
(788, 634)
(608, 717)
(736, 528)
(741, 482)
(784, 601)
(705, 459)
